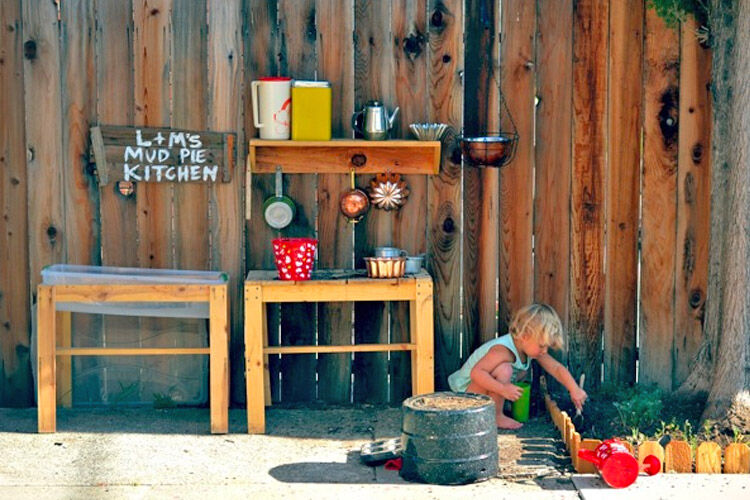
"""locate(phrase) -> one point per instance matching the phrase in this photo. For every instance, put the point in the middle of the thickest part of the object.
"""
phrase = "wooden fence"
(604, 213)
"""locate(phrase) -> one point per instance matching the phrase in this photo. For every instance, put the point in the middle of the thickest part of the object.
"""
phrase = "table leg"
(64, 363)
(266, 373)
(219, 358)
(254, 371)
(422, 334)
(46, 383)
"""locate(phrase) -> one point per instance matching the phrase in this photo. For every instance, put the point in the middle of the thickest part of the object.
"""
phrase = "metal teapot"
(373, 121)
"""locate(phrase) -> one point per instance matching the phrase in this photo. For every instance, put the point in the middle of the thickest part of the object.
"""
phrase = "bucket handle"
(589, 456)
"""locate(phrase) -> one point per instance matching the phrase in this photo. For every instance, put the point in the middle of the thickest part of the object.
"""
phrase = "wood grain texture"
(708, 458)
(189, 95)
(189, 61)
(481, 186)
(660, 131)
(151, 58)
(335, 24)
(445, 21)
(737, 459)
(298, 58)
(693, 200)
(83, 242)
(339, 156)
(623, 190)
(374, 72)
(16, 385)
(590, 21)
(553, 159)
(42, 83)
(260, 61)
(516, 180)
(409, 28)
(678, 457)
(225, 106)
(152, 47)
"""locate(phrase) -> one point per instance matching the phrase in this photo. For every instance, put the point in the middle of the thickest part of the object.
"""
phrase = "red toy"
(616, 465)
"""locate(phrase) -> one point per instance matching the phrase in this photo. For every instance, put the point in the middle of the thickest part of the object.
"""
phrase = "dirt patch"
(641, 414)
(449, 402)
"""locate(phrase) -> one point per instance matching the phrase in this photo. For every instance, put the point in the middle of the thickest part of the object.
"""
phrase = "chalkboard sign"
(148, 154)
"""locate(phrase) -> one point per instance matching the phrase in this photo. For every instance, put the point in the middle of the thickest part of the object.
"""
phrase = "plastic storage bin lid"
(68, 274)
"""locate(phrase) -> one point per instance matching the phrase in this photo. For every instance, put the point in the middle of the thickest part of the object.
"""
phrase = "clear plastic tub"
(68, 274)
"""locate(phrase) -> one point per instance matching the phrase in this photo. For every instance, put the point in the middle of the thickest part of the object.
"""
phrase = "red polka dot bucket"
(294, 257)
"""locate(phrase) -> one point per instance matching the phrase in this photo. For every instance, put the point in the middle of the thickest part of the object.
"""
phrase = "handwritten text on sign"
(151, 154)
(146, 161)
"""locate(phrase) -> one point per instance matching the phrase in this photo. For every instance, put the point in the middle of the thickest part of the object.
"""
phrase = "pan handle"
(279, 183)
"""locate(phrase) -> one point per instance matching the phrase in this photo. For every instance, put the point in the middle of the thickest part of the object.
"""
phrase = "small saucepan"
(278, 210)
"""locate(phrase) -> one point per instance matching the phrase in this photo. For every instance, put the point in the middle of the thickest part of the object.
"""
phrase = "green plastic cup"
(520, 407)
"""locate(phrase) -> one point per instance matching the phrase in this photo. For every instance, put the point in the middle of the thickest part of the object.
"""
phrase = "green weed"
(640, 408)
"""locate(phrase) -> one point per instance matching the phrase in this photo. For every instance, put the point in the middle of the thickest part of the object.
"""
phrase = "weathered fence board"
(659, 189)
(553, 152)
(117, 213)
(374, 74)
(590, 21)
(82, 241)
(191, 224)
(516, 183)
(297, 57)
(225, 95)
(336, 64)
(15, 376)
(42, 82)
(481, 186)
(693, 201)
(444, 191)
(260, 61)
(623, 190)
(411, 59)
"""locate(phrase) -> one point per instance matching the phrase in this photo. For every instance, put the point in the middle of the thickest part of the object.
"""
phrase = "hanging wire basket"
(493, 149)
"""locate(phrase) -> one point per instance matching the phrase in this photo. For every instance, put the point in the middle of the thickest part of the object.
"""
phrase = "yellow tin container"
(311, 111)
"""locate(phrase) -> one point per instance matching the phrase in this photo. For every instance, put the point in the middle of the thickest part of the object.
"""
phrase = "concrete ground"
(306, 453)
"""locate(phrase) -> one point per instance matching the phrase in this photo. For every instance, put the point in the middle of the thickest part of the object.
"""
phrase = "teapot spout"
(392, 118)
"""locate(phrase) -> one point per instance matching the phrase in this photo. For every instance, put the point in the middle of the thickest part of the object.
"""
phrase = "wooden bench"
(102, 290)
(263, 287)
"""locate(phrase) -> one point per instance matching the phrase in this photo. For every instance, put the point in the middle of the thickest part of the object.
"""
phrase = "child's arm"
(481, 374)
(562, 375)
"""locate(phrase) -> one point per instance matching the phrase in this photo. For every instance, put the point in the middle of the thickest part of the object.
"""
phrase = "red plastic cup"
(294, 257)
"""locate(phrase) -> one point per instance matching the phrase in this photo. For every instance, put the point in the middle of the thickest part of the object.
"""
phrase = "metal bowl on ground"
(494, 150)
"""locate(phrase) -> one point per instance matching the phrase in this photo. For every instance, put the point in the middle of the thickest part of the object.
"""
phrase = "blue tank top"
(460, 379)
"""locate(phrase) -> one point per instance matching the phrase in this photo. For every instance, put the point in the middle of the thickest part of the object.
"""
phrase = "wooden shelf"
(341, 155)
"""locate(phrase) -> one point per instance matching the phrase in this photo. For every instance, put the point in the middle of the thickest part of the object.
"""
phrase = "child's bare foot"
(504, 422)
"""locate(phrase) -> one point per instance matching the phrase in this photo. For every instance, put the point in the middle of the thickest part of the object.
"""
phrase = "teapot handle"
(355, 116)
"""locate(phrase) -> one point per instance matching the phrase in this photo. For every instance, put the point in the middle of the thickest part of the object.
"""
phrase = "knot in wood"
(29, 50)
(696, 298)
(359, 159)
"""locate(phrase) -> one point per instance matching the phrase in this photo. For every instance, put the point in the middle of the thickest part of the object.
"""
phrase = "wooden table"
(48, 350)
(262, 287)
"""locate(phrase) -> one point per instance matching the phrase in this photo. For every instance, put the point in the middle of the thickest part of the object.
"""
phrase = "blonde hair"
(541, 322)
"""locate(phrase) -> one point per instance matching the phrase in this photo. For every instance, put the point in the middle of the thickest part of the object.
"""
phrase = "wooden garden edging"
(676, 456)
